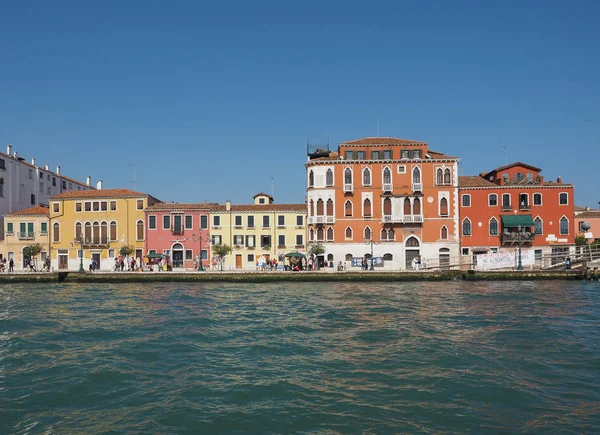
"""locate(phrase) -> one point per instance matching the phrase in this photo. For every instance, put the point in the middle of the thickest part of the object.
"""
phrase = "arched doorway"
(444, 256)
(177, 253)
(412, 246)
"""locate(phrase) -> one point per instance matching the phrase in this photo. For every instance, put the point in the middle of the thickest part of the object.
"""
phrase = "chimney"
(88, 180)
(99, 184)
(15, 155)
(228, 205)
(58, 170)
(9, 149)
(559, 180)
(587, 208)
(33, 161)
(47, 167)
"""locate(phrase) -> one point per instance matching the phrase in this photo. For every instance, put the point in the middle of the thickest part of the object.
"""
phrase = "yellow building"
(262, 229)
(25, 228)
(94, 225)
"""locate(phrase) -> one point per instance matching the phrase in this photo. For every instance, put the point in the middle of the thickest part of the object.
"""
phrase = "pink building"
(179, 232)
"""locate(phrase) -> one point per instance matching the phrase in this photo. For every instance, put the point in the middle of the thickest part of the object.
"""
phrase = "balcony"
(524, 207)
(25, 235)
(417, 187)
(348, 188)
(515, 237)
(329, 219)
(506, 207)
(320, 219)
(177, 231)
(406, 219)
(387, 187)
(311, 220)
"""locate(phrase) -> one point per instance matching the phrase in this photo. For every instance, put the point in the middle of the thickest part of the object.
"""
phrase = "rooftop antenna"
(505, 151)
(134, 166)
(273, 187)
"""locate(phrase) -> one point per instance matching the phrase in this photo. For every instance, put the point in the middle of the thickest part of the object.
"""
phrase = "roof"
(262, 207)
(383, 141)
(554, 183)
(263, 194)
(177, 206)
(33, 211)
(512, 165)
(438, 155)
(588, 214)
(579, 208)
(104, 193)
(474, 181)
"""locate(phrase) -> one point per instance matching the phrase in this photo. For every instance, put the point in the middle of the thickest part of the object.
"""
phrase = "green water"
(452, 357)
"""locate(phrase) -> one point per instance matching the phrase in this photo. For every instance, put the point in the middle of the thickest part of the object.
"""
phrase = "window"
(41, 187)
(360, 155)
(238, 240)
(388, 257)
(466, 200)
(216, 221)
(537, 199)
(238, 221)
(261, 200)
(64, 185)
(564, 226)
(387, 176)
(329, 208)
(348, 233)
(88, 206)
(367, 233)
(56, 232)
(103, 206)
(9, 227)
(113, 205)
(506, 200)
(374, 155)
(54, 181)
(538, 228)
(387, 207)
(55, 207)
(96, 205)
(444, 233)
(466, 227)
(299, 240)
(330, 234)
(266, 223)
(311, 178)
(519, 176)
(311, 234)
(348, 155)
(151, 222)
(530, 177)
(299, 220)
(416, 175)
(320, 234)
(347, 176)
(113, 230)
(404, 154)
(32, 199)
(250, 258)
(493, 227)
(3, 164)
(44, 228)
(216, 240)
(465, 251)
(563, 198)
(88, 231)
(41, 175)
(188, 222)
(416, 154)
(440, 176)
(104, 232)
(329, 177)
(111, 253)
(139, 204)
(265, 241)
(443, 207)
(188, 254)
(250, 221)
(250, 241)
(348, 257)
(401, 169)
(348, 208)
(281, 240)
(204, 254)
(281, 221)
(492, 199)
(366, 177)
(166, 222)
(203, 222)
(48, 190)
(447, 179)
(367, 208)
(387, 155)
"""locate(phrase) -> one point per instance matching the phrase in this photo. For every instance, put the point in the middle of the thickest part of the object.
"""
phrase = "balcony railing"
(524, 207)
(387, 187)
(348, 188)
(177, 231)
(329, 219)
(417, 187)
(25, 235)
(506, 207)
(406, 219)
(320, 219)
(311, 220)
(514, 237)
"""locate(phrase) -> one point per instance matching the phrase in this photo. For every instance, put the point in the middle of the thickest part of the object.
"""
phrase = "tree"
(221, 251)
(32, 251)
(316, 249)
(126, 250)
(580, 240)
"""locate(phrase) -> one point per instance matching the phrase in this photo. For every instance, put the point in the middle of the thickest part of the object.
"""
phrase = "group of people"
(121, 263)
(11, 265)
(264, 263)
(419, 263)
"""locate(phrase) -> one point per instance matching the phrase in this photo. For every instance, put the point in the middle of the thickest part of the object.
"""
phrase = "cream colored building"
(24, 228)
(261, 229)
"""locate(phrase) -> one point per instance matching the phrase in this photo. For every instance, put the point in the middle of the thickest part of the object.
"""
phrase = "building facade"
(24, 185)
(180, 232)
(25, 228)
(92, 225)
(513, 205)
(394, 198)
(263, 229)
(592, 217)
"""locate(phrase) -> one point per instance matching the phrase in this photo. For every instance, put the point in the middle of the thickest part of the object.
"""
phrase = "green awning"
(514, 220)
(295, 255)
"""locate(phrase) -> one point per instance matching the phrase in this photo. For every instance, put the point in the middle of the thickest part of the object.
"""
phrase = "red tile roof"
(437, 155)
(167, 206)
(588, 214)
(104, 193)
(554, 183)
(383, 141)
(262, 207)
(512, 165)
(474, 181)
(33, 211)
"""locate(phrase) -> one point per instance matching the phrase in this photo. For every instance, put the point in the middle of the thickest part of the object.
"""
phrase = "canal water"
(450, 357)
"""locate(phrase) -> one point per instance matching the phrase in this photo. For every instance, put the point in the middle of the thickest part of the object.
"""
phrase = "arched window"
(139, 230)
(407, 207)
(444, 233)
(348, 208)
(330, 234)
(443, 207)
(329, 207)
(412, 242)
(96, 232)
(388, 257)
(88, 232)
(320, 234)
(387, 207)
(347, 176)
(311, 209)
(416, 175)
(538, 226)
(56, 232)
(367, 208)
(78, 231)
(329, 257)
(447, 176)
(563, 198)
(466, 227)
(493, 227)
(391, 234)
(329, 177)
(366, 177)
(311, 235)
(387, 175)
(417, 206)
(440, 176)
(311, 178)
(113, 231)
(564, 226)
(348, 233)
(383, 234)
(320, 207)
(348, 257)
(104, 233)
(367, 233)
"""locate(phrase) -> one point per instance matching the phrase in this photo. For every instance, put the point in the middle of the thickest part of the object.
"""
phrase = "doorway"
(177, 255)
(412, 251)
(238, 261)
(96, 256)
(63, 261)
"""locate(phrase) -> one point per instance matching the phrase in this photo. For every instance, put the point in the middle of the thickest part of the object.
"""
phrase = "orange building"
(592, 217)
(494, 206)
(395, 197)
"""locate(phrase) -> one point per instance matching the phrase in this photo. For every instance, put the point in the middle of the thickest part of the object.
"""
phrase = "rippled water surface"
(452, 357)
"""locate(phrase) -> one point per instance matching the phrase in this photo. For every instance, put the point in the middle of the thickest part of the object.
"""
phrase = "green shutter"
(9, 227)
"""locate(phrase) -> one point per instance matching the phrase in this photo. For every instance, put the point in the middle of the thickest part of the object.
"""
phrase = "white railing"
(387, 187)
(387, 218)
(407, 219)
(310, 220)
(330, 219)
(320, 219)
(417, 187)
(348, 188)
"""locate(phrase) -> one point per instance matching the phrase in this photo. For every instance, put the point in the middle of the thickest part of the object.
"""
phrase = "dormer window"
(261, 200)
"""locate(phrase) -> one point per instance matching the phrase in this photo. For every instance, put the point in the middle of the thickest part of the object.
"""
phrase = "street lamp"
(81, 242)
(201, 239)
(371, 242)
(585, 226)
(520, 235)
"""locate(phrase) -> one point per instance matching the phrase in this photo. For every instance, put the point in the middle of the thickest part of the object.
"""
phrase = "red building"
(514, 205)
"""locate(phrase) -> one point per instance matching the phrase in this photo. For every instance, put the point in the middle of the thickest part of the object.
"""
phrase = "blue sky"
(211, 100)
